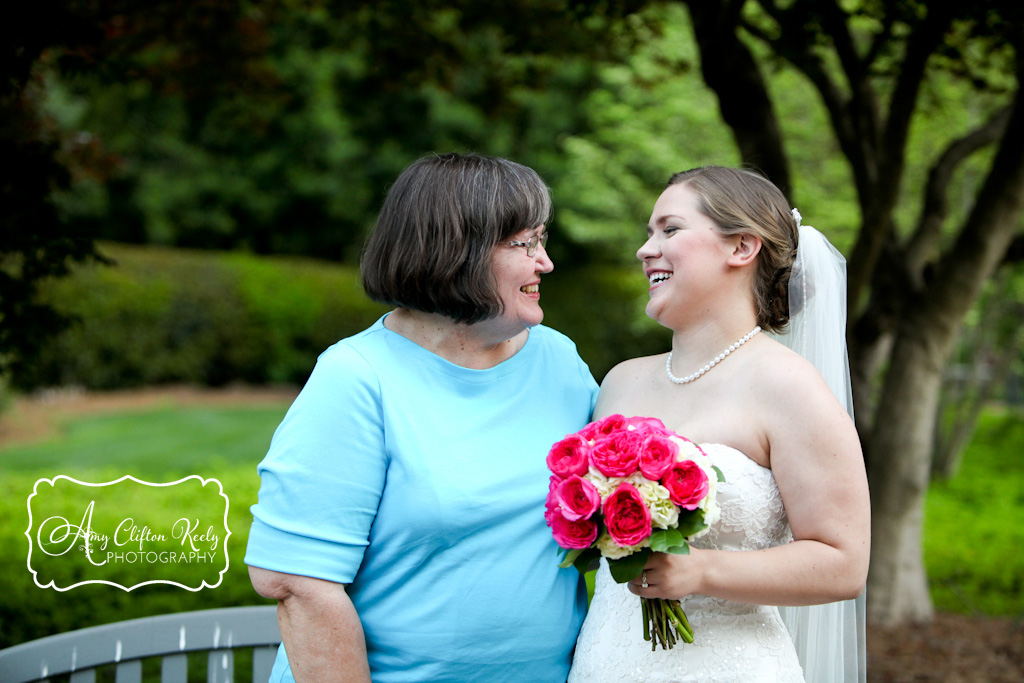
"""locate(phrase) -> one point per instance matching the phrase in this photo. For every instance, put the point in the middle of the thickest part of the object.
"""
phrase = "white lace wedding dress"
(733, 642)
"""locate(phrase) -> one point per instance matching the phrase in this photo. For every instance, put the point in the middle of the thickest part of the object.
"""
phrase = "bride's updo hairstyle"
(744, 202)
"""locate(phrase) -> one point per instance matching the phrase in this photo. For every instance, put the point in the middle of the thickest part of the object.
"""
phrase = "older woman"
(400, 518)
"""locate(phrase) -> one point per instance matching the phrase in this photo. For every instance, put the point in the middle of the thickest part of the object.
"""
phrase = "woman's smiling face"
(683, 255)
(517, 279)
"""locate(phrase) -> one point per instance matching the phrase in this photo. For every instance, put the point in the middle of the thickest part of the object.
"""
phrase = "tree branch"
(925, 39)
(732, 72)
(890, 154)
(921, 246)
(1015, 252)
(991, 226)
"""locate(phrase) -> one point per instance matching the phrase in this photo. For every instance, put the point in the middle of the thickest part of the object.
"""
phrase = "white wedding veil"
(830, 639)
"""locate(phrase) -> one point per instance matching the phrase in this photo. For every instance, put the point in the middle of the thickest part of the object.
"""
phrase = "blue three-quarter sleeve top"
(421, 484)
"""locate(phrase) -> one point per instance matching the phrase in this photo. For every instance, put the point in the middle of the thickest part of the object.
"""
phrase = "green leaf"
(570, 557)
(721, 477)
(663, 539)
(587, 560)
(628, 568)
(669, 541)
(691, 522)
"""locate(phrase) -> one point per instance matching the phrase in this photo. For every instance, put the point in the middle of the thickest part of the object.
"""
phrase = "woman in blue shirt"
(400, 518)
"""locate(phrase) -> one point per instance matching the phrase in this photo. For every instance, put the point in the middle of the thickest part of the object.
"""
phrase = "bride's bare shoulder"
(785, 377)
(634, 369)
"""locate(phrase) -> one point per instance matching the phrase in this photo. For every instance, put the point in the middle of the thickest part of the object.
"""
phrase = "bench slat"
(263, 662)
(174, 669)
(220, 666)
(129, 672)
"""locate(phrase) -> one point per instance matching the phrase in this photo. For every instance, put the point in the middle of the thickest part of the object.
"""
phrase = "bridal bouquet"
(622, 488)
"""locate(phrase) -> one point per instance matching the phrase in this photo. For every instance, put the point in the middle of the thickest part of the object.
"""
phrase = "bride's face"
(683, 258)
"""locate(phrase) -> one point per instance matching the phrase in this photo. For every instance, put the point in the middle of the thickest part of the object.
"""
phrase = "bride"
(794, 527)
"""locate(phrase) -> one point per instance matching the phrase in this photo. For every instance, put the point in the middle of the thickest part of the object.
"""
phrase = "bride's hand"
(672, 577)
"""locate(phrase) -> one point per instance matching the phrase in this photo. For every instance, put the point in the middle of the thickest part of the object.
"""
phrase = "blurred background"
(185, 188)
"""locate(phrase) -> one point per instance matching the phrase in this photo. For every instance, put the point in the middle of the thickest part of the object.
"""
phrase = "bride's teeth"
(659, 277)
(530, 289)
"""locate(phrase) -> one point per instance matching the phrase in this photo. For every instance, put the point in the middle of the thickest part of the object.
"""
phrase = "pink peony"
(657, 455)
(649, 425)
(617, 455)
(577, 498)
(551, 502)
(569, 456)
(627, 518)
(570, 534)
(687, 484)
(603, 427)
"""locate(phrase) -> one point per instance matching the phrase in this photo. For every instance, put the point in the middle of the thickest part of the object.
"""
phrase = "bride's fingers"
(640, 582)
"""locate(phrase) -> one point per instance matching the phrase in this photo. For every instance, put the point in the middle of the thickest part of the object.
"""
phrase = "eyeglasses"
(531, 244)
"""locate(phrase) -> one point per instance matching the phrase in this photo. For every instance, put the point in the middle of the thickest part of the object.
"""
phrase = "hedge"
(160, 315)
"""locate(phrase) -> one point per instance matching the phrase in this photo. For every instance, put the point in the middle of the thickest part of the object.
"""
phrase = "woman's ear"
(745, 247)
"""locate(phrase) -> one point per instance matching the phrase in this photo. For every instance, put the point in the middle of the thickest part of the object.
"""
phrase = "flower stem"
(647, 618)
(679, 620)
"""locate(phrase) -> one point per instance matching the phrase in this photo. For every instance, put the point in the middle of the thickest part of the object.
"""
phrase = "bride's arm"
(816, 458)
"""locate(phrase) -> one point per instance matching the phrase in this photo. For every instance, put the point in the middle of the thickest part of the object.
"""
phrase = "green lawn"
(154, 442)
(974, 524)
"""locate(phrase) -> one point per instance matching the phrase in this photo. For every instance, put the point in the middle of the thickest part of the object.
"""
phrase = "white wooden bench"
(217, 632)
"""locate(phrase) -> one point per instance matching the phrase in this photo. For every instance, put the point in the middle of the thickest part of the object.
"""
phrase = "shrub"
(164, 315)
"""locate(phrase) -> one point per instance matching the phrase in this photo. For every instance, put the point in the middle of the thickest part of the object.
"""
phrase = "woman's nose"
(647, 250)
(544, 262)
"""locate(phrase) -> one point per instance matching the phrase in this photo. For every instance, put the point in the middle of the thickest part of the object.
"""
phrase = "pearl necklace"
(718, 359)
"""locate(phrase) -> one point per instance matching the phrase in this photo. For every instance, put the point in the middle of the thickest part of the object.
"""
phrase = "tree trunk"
(732, 72)
(900, 447)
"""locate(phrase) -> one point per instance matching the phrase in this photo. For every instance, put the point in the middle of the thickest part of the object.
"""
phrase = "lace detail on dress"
(733, 642)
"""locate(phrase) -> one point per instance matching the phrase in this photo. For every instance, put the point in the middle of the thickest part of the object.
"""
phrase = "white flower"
(688, 451)
(605, 485)
(664, 514)
(613, 551)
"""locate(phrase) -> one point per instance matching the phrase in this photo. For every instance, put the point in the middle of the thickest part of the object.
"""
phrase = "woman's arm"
(818, 466)
(321, 631)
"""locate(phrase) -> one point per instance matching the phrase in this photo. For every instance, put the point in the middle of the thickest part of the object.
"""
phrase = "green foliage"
(296, 160)
(163, 316)
(648, 116)
(629, 567)
(974, 524)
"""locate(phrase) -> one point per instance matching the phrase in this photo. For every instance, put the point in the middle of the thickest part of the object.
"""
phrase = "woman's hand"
(672, 577)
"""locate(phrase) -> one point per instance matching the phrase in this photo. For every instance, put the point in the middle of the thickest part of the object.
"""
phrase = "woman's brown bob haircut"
(433, 244)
